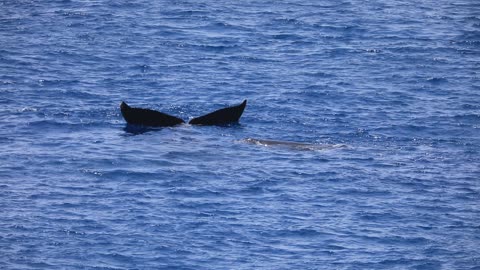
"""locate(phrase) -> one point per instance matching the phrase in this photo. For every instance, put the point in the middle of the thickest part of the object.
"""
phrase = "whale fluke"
(221, 117)
(147, 117)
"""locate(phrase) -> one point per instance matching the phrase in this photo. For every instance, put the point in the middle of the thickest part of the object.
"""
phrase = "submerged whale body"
(293, 145)
(152, 118)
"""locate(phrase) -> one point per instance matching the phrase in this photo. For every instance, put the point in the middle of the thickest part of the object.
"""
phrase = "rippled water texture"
(394, 84)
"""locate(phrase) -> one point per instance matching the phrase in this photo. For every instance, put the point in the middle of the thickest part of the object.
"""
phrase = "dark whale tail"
(147, 117)
(151, 118)
(221, 117)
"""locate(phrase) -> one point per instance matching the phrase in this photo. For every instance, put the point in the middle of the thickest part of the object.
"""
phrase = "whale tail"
(147, 117)
(124, 106)
(221, 117)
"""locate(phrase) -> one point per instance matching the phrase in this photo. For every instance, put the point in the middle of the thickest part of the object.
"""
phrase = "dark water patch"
(320, 74)
(471, 106)
(216, 48)
(187, 13)
(290, 37)
(467, 117)
(380, 217)
(365, 192)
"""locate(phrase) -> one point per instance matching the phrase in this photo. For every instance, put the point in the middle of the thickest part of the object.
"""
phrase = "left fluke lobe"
(147, 117)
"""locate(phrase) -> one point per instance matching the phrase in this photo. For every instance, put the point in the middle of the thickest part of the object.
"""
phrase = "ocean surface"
(387, 93)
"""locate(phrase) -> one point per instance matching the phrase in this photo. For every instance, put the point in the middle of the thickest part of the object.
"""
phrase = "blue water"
(396, 83)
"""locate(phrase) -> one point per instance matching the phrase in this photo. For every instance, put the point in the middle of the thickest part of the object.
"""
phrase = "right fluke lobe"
(221, 117)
